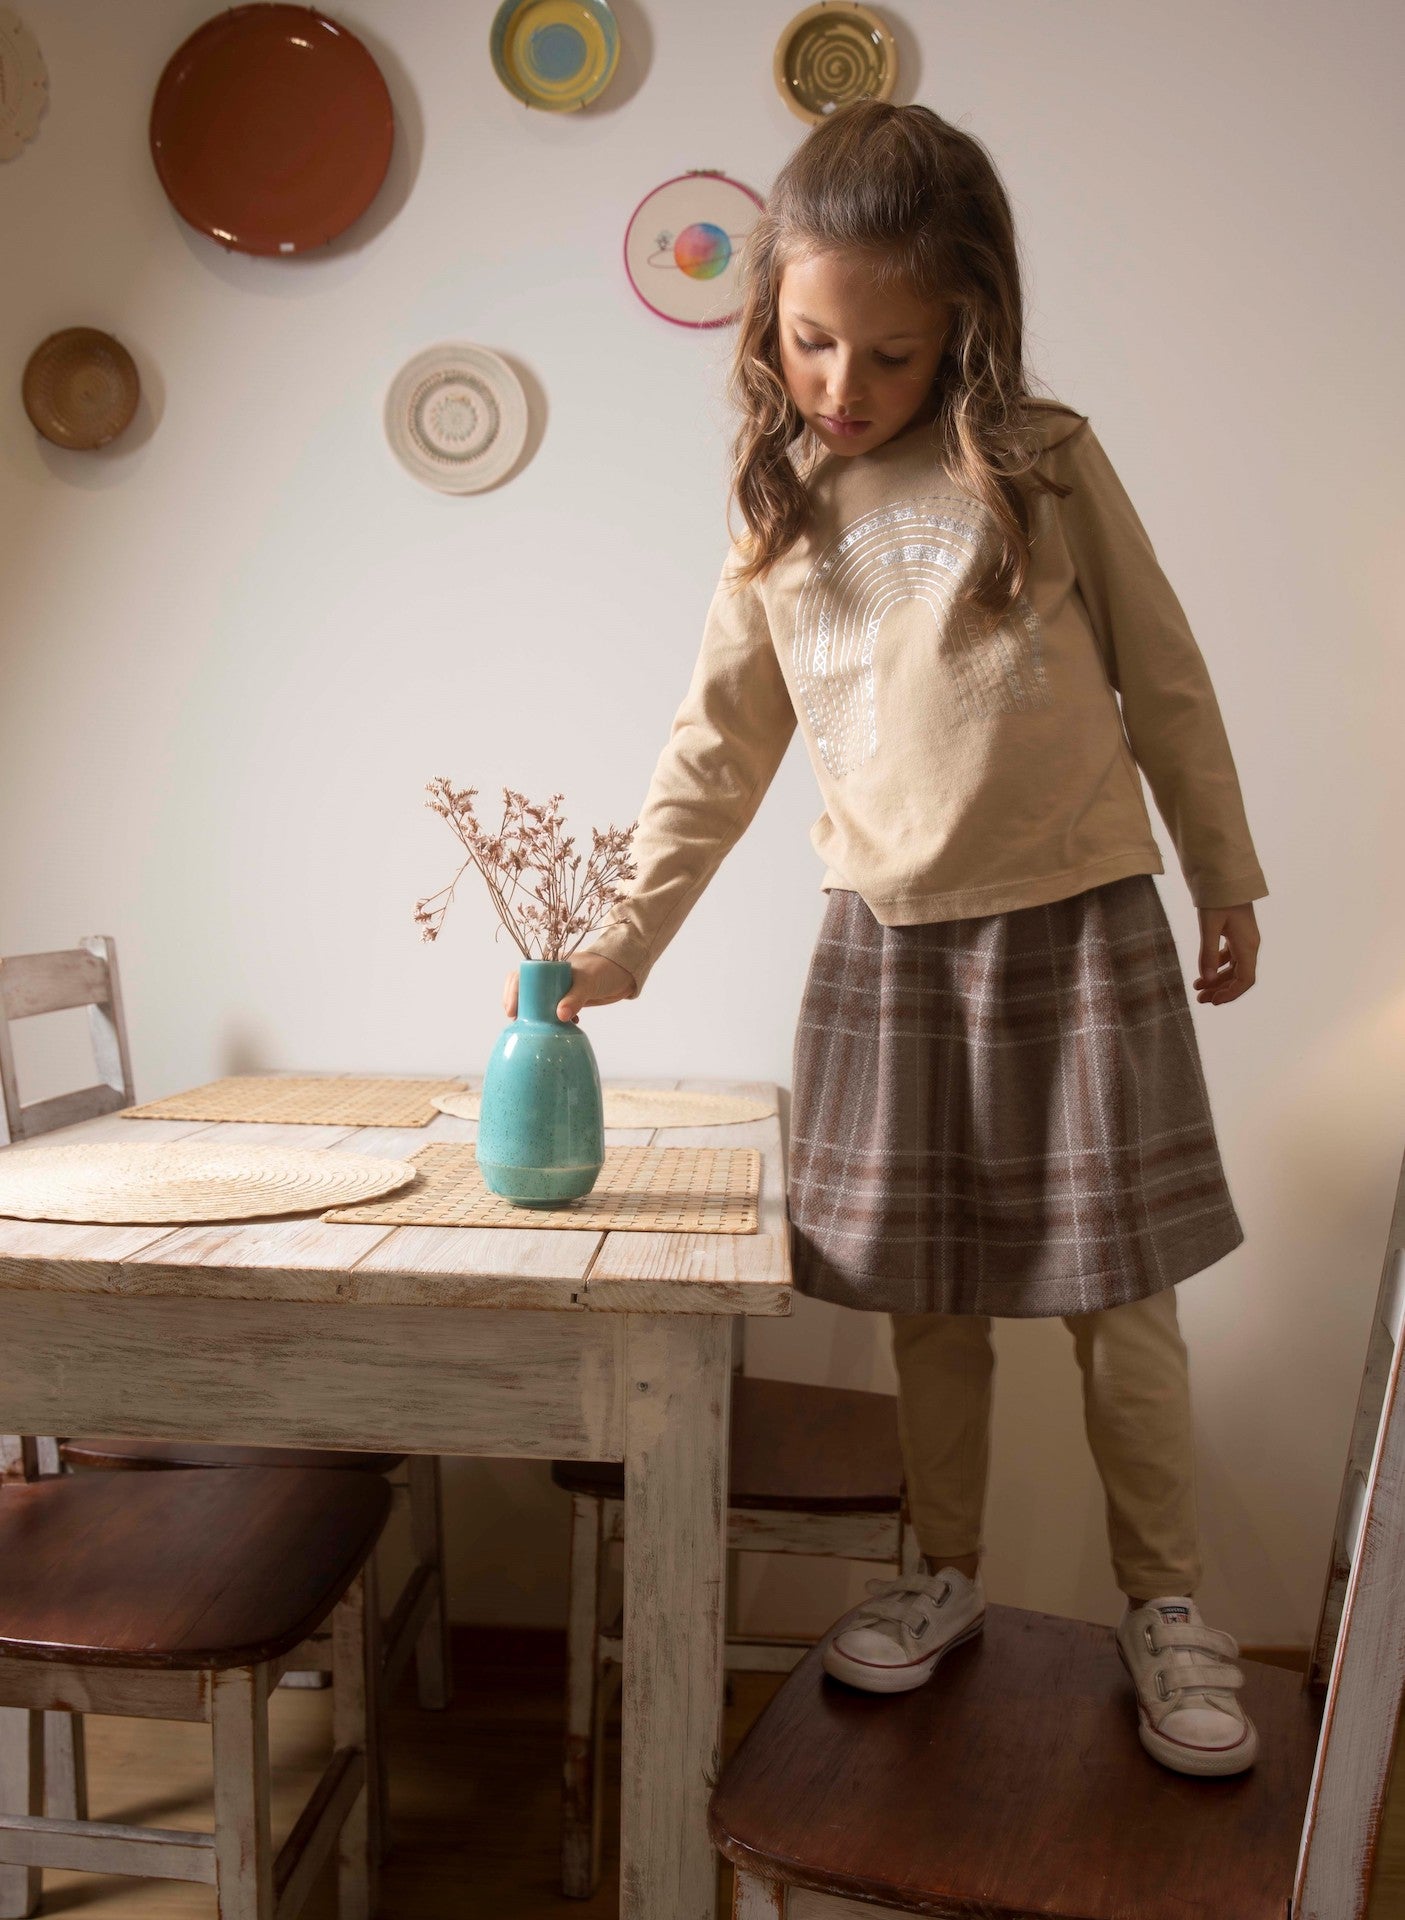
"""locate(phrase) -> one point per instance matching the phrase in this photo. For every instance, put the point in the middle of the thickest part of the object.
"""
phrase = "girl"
(998, 1104)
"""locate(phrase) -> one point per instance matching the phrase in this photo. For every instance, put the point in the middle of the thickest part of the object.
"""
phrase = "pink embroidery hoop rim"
(692, 173)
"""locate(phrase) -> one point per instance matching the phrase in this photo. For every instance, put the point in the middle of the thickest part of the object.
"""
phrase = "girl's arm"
(728, 738)
(1169, 707)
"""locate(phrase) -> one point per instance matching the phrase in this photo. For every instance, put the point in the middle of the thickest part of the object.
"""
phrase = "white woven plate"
(154, 1184)
(456, 417)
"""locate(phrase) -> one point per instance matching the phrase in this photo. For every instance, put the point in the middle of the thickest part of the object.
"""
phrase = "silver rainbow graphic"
(923, 550)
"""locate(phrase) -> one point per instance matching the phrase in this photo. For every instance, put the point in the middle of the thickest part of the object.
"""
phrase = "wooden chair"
(814, 1470)
(182, 1596)
(38, 983)
(1014, 1783)
(35, 983)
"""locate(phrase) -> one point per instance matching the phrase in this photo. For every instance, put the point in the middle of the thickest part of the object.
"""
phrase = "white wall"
(236, 644)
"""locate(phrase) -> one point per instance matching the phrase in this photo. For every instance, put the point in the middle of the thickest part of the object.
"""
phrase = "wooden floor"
(474, 1798)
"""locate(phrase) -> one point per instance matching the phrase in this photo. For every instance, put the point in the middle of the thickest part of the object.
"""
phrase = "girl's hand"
(595, 982)
(1229, 952)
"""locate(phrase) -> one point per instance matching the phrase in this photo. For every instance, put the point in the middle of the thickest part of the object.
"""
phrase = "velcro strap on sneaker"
(1196, 1676)
(1198, 1639)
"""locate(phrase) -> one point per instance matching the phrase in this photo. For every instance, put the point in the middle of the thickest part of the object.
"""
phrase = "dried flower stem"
(530, 840)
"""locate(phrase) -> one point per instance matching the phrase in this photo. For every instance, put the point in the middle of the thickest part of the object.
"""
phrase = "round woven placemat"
(186, 1180)
(643, 1107)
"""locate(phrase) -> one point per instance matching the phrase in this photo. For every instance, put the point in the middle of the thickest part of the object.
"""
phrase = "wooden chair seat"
(1015, 1771)
(119, 1451)
(180, 1569)
(796, 1447)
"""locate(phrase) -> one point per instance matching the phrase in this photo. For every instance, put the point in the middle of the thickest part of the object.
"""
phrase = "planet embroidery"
(684, 245)
(701, 250)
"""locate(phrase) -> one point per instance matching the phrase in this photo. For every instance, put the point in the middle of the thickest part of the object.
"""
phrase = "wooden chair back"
(1359, 1654)
(35, 983)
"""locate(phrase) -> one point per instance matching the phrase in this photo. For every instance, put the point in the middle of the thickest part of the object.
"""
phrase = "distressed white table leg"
(21, 1791)
(678, 1388)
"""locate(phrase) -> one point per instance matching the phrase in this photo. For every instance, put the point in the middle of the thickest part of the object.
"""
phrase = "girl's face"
(858, 360)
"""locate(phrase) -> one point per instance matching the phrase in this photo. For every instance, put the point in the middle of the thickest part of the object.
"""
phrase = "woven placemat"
(640, 1189)
(307, 1099)
(643, 1107)
(157, 1183)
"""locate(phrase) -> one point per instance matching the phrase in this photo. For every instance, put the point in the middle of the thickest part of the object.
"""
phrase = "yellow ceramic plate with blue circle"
(557, 54)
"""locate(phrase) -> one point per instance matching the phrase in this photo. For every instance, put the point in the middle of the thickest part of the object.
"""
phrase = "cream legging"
(1136, 1406)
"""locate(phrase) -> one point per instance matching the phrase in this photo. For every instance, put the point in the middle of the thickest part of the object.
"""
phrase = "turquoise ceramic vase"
(541, 1122)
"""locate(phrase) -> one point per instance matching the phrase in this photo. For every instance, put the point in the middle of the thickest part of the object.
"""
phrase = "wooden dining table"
(545, 1343)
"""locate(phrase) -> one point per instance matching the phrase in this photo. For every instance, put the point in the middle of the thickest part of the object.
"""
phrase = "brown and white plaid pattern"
(1003, 1115)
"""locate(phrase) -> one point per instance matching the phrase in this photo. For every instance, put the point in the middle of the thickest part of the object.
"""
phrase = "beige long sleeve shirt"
(962, 772)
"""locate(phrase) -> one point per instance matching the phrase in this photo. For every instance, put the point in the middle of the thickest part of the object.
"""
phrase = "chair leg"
(243, 1840)
(581, 1798)
(433, 1668)
(757, 1899)
(355, 1727)
(65, 1767)
(21, 1791)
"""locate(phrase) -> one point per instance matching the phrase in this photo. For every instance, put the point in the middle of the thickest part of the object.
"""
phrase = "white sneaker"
(895, 1639)
(1183, 1671)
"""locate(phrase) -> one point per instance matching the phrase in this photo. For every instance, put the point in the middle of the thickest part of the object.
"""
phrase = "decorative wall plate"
(683, 244)
(557, 54)
(24, 84)
(271, 129)
(81, 388)
(832, 54)
(456, 417)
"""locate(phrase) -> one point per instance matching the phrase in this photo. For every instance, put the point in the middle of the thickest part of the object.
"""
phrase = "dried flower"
(563, 905)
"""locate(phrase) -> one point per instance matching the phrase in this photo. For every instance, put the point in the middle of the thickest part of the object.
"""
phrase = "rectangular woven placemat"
(312, 1100)
(640, 1189)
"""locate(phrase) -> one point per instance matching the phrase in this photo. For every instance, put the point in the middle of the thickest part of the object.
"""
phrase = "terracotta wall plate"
(271, 129)
(81, 388)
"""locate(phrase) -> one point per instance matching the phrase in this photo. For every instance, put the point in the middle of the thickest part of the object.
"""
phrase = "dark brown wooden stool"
(1012, 1784)
(182, 1595)
(814, 1469)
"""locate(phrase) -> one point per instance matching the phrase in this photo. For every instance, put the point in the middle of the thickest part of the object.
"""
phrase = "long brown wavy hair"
(923, 202)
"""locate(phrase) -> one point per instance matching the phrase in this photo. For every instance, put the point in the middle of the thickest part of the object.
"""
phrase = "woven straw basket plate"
(80, 388)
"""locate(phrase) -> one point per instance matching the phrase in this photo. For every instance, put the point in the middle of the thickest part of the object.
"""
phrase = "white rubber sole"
(875, 1678)
(1203, 1762)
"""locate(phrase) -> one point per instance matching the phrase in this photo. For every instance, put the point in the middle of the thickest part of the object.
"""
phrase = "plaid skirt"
(1002, 1115)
